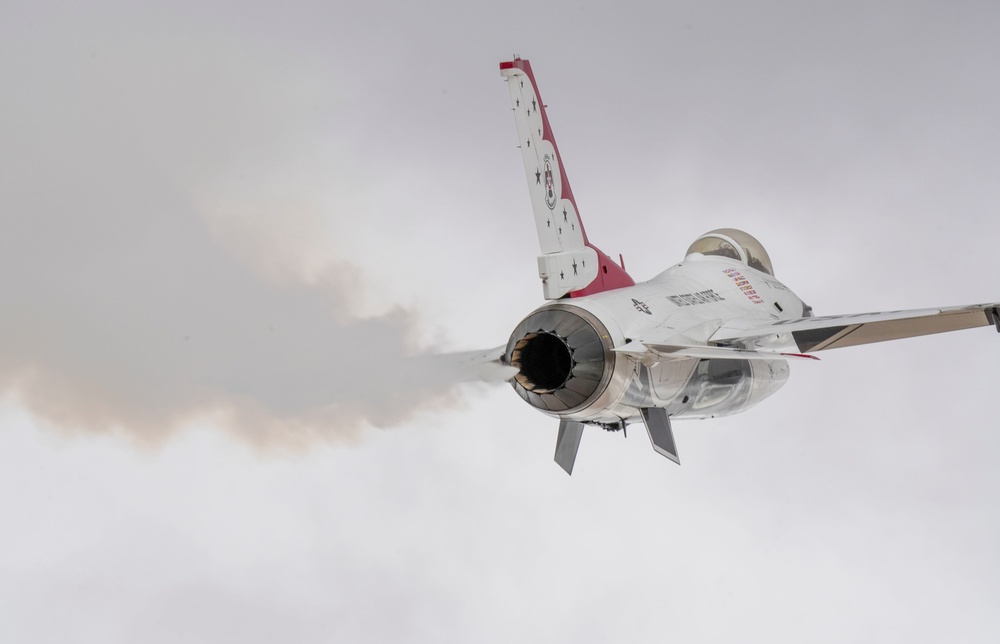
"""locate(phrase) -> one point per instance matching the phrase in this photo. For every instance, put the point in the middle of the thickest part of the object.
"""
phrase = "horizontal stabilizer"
(567, 444)
(837, 331)
(676, 351)
(660, 434)
(484, 366)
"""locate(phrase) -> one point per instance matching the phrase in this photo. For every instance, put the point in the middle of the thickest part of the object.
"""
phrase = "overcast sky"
(226, 229)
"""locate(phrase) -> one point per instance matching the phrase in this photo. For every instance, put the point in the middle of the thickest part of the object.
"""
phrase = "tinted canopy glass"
(735, 244)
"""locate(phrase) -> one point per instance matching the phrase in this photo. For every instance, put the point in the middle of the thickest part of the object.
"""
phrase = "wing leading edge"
(838, 331)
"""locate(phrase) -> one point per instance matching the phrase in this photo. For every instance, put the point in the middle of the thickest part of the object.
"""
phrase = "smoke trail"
(129, 170)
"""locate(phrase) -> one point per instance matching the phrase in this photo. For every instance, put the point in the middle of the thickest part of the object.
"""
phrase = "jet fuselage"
(682, 306)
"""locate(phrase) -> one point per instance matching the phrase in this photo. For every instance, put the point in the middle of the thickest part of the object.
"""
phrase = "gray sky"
(240, 217)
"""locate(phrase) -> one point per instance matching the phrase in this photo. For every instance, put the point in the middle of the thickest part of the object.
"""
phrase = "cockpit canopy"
(735, 244)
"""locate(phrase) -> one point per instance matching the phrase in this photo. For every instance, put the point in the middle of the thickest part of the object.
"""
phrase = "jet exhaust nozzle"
(563, 356)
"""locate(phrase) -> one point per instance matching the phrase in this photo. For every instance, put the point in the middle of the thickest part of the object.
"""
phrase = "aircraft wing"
(837, 331)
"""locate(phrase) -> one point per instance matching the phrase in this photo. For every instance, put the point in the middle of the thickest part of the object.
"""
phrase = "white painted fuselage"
(710, 336)
(684, 305)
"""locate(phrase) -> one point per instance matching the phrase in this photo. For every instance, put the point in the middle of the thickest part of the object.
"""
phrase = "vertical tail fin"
(569, 263)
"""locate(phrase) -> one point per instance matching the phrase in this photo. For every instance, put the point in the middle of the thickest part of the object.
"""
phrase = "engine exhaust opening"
(564, 358)
(544, 360)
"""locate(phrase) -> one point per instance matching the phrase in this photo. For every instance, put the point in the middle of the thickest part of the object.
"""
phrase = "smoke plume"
(162, 251)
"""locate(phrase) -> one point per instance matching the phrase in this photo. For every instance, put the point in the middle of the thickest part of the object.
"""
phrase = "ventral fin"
(660, 434)
(567, 444)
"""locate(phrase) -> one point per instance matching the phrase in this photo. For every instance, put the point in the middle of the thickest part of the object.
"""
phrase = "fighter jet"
(709, 336)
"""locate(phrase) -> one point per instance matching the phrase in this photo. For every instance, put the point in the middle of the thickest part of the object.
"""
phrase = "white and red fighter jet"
(709, 336)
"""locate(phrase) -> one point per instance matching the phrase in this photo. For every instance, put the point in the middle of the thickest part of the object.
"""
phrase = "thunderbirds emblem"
(550, 190)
